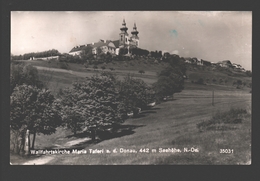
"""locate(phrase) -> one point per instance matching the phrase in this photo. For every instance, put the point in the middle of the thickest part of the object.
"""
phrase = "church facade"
(125, 41)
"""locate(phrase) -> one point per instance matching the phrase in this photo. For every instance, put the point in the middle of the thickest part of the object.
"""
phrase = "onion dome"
(134, 32)
(124, 28)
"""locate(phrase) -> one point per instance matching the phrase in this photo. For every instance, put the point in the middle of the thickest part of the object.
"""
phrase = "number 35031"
(226, 151)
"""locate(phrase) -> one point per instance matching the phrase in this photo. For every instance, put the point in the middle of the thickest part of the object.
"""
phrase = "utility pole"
(212, 97)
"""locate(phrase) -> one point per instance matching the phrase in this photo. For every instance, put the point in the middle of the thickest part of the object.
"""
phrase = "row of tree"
(98, 103)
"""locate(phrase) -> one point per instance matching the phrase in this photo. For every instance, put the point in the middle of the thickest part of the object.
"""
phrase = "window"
(126, 40)
(121, 37)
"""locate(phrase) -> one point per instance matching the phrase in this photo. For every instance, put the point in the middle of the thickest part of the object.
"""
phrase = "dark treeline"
(139, 51)
(156, 54)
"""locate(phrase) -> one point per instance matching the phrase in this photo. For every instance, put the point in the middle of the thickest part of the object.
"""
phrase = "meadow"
(171, 125)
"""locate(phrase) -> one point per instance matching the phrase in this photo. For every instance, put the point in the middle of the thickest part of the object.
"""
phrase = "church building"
(124, 41)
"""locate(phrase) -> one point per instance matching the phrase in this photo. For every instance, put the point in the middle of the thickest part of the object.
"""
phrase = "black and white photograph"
(130, 87)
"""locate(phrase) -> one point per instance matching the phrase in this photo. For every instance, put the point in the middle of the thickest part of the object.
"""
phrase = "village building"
(45, 58)
(237, 66)
(124, 41)
(225, 63)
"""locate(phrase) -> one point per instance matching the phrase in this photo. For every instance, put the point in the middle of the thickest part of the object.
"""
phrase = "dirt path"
(45, 159)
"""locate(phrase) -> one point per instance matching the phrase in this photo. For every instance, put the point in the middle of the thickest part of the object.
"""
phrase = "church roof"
(78, 48)
(116, 43)
(99, 44)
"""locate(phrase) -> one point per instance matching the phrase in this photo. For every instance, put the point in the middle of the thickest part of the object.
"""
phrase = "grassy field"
(56, 77)
(171, 124)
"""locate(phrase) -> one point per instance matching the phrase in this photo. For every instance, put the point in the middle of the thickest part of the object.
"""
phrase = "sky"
(209, 35)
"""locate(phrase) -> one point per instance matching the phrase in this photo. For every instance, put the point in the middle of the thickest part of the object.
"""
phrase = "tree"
(94, 104)
(141, 71)
(35, 110)
(170, 81)
(86, 53)
(226, 81)
(123, 51)
(239, 83)
(74, 108)
(103, 67)
(134, 94)
(220, 81)
(95, 67)
(249, 73)
(200, 81)
(24, 74)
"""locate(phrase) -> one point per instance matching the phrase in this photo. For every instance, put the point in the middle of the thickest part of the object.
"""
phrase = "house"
(206, 63)
(105, 46)
(225, 63)
(237, 66)
(77, 50)
(213, 64)
(188, 60)
(199, 61)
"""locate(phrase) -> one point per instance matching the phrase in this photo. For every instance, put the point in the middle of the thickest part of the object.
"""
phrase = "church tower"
(134, 37)
(123, 36)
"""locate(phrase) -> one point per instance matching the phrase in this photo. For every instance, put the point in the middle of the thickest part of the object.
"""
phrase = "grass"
(212, 141)
(172, 124)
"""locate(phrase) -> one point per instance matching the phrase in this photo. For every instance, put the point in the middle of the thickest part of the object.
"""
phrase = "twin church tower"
(125, 40)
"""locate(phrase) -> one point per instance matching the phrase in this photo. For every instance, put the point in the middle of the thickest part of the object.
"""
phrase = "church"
(125, 41)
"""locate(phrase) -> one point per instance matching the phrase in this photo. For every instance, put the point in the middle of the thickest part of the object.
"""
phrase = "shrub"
(249, 73)
(200, 81)
(63, 65)
(95, 67)
(141, 71)
(220, 121)
(103, 67)
(226, 81)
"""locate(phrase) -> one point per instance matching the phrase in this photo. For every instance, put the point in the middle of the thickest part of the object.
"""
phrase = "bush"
(220, 120)
(249, 73)
(95, 67)
(103, 67)
(200, 81)
(141, 71)
(63, 65)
